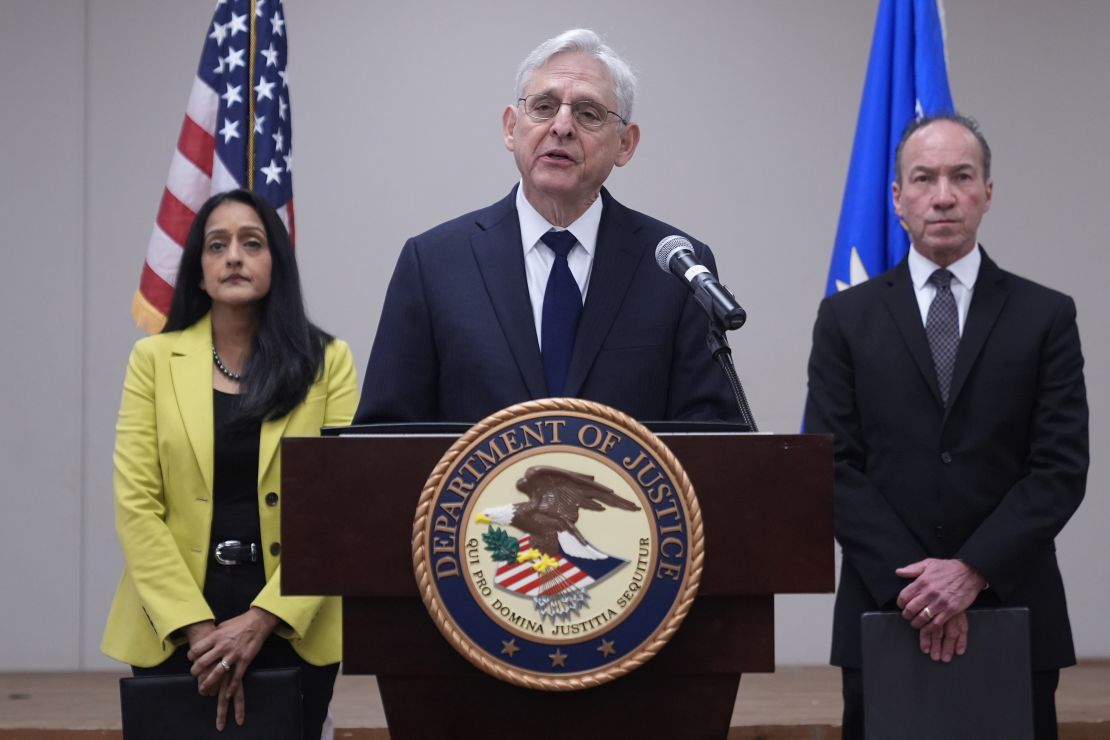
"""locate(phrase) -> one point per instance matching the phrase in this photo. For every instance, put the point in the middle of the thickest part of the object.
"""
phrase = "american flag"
(237, 133)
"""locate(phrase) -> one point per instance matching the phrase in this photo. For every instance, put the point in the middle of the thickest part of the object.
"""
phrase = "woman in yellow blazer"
(197, 467)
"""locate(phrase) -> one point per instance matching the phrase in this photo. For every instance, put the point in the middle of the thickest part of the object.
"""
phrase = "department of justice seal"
(558, 544)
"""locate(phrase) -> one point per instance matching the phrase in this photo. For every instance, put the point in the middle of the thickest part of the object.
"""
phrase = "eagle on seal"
(555, 497)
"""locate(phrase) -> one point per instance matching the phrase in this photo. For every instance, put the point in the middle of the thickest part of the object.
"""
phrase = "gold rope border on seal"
(633, 660)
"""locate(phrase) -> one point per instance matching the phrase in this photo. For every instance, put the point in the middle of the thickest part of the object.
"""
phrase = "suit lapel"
(500, 257)
(986, 303)
(191, 374)
(270, 441)
(616, 259)
(901, 301)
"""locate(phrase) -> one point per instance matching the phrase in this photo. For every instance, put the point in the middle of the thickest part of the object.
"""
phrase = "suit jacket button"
(939, 532)
(271, 499)
(946, 457)
(275, 549)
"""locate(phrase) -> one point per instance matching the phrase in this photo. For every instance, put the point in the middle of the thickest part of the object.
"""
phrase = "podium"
(347, 521)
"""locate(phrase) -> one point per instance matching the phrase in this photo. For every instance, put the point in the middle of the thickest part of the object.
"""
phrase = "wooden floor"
(792, 704)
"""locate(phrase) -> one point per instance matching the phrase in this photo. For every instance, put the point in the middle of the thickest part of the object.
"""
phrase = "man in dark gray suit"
(956, 397)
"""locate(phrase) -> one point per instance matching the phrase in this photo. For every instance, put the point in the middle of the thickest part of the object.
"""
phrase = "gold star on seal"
(607, 648)
(509, 647)
(558, 659)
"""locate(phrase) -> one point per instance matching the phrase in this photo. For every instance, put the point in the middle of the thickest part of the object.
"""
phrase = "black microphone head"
(667, 248)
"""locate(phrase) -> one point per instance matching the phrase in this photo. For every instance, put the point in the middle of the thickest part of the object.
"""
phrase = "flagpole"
(250, 96)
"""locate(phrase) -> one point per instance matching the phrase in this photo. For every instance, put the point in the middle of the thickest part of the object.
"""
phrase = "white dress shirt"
(538, 257)
(964, 272)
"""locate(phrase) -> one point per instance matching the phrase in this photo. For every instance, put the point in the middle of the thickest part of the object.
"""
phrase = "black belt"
(234, 552)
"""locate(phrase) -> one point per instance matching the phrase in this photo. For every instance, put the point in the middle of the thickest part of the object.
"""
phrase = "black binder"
(984, 693)
(169, 708)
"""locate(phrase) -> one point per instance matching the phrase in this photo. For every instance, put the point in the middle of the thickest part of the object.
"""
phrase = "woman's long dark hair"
(287, 353)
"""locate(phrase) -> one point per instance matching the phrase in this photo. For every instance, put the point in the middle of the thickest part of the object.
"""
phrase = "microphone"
(675, 254)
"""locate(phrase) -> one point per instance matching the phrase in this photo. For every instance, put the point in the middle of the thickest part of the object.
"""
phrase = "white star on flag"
(232, 95)
(272, 173)
(271, 56)
(238, 23)
(230, 130)
(234, 58)
(259, 122)
(219, 33)
(279, 140)
(264, 89)
(277, 23)
(857, 273)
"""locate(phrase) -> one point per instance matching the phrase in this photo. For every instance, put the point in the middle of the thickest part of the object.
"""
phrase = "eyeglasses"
(587, 113)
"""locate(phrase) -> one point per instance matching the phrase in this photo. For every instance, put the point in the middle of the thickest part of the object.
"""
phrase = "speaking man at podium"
(553, 290)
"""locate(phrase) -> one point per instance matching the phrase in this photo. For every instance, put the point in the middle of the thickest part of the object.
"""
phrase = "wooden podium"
(766, 501)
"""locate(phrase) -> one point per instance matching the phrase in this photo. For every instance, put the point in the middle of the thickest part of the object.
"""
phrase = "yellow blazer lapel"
(270, 440)
(304, 420)
(191, 373)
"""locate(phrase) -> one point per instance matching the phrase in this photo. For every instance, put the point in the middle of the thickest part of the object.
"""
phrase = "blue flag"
(906, 78)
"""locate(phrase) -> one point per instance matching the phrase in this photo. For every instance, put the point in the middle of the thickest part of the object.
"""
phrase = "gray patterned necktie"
(942, 327)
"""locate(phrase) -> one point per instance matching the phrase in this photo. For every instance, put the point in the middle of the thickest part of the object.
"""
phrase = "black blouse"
(235, 483)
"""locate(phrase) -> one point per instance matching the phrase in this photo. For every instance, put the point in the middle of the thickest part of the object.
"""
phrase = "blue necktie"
(942, 327)
(562, 305)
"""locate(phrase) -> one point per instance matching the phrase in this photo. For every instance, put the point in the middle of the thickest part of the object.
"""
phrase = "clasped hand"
(221, 655)
(936, 604)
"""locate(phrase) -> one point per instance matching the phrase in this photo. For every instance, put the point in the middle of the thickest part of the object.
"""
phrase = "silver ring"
(928, 615)
(225, 665)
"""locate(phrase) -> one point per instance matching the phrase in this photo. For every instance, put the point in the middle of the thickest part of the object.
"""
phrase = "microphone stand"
(722, 353)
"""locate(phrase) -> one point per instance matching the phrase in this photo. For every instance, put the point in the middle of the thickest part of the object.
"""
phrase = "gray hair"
(586, 41)
(966, 121)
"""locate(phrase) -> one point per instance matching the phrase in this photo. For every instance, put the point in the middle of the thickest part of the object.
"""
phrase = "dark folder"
(169, 708)
(984, 693)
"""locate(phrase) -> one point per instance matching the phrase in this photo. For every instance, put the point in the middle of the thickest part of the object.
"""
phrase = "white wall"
(748, 112)
(42, 186)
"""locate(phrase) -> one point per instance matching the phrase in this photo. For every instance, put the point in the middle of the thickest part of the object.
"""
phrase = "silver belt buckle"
(218, 553)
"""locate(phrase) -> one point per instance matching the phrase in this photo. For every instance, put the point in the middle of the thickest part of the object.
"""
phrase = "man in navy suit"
(472, 322)
(955, 394)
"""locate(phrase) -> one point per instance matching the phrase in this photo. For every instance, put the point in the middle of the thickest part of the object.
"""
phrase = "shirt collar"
(965, 269)
(533, 225)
